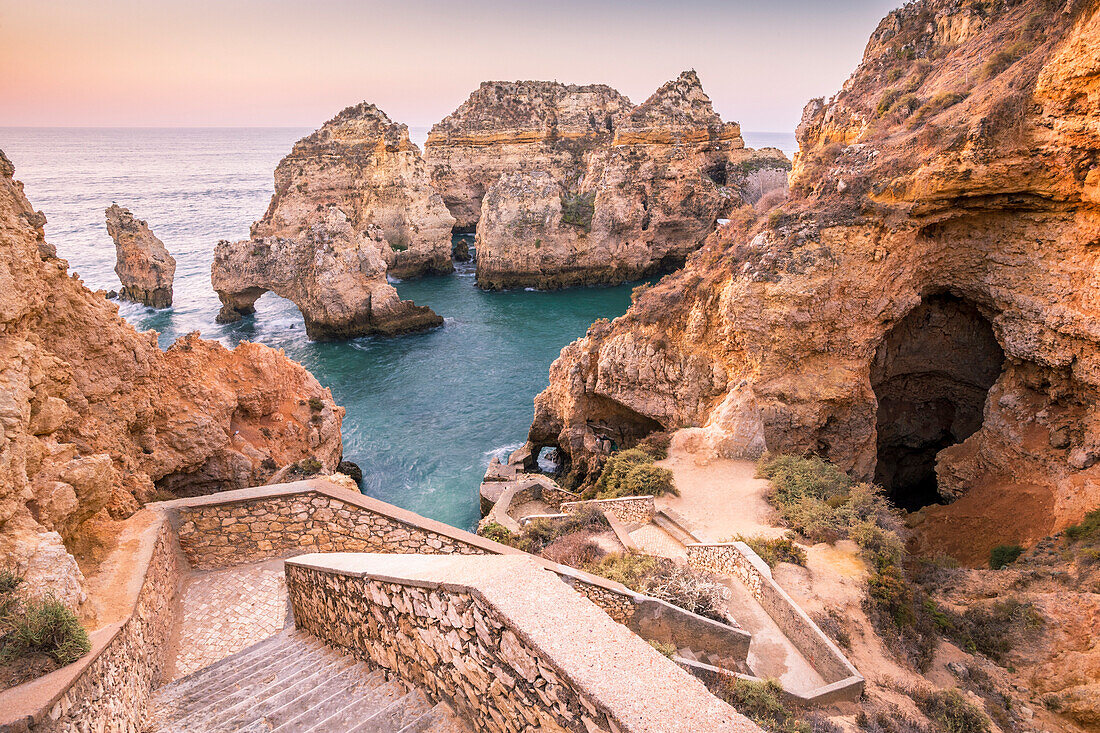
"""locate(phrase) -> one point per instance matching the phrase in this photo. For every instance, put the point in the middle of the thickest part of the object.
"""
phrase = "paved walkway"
(652, 540)
(224, 611)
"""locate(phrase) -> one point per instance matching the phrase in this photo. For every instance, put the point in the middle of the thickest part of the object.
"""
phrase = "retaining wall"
(736, 558)
(627, 509)
(475, 631)
(109, 688)
(247, 525)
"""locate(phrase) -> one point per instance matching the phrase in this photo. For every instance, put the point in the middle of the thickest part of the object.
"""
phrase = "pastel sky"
(277, 62)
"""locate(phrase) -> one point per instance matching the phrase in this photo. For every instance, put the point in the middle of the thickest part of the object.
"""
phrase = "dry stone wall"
(475, 632)
(738, 559)
(628, 509)
(112, 691)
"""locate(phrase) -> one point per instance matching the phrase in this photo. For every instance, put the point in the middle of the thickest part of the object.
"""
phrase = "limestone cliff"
(517, 126)
(96, 419)
(922, 311)
(634, 206)
(352, 205)
(143, 264)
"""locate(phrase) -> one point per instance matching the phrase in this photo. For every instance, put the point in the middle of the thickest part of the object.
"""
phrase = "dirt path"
(719, 497)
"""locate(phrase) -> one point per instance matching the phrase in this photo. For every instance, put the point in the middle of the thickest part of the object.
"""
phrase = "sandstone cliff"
(96, 419)
(143, 265)
(633, 206)
(923, 310)
(352, 205)
(517, 126)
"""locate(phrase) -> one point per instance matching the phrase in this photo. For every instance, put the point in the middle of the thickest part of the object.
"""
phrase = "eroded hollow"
(931, 375)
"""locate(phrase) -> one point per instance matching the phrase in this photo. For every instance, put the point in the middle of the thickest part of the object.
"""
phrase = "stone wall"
(316, 516)
(738, 559)
(476, 633)
(219, 535)
(628, 509)
(112, 685)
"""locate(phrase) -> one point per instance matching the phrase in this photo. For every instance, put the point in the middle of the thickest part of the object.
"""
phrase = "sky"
(282, 63)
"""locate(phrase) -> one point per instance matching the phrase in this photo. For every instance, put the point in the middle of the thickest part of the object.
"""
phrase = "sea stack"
(143, 264)
(508, 126)
(352, 205)
(588, 188)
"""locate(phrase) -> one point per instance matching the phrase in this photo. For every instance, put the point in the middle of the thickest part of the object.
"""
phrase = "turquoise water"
(425, 412)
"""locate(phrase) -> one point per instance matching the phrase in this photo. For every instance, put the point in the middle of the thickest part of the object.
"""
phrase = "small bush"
(951, 712)
(539, 534)
(661, 578)
(315, 404)
(763, 703)
(9, 581)
(46, 626)
(1004, 555)
(632, 473)
(939, 103)
(575, 550)
(886, 101)
(577, 209)
(497, 533)
(310, 466)
(666, 649)
(775, 550)
(656, 444)
(988, 631)
(1088, 529)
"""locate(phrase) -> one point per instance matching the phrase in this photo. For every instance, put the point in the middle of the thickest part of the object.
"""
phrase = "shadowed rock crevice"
(931, 376)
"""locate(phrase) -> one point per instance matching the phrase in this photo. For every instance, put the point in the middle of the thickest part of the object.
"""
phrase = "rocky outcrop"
(922, 309)
(517, 126)
(143, 264)
(96, 419)
(634, 204)
(352, 205)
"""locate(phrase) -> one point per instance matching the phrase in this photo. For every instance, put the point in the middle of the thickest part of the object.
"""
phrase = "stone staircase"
(293, 682)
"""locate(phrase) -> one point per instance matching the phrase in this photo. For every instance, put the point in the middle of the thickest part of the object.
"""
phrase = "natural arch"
(931, 376)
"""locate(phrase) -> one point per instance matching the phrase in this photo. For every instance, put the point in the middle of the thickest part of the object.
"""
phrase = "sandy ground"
(720, 497)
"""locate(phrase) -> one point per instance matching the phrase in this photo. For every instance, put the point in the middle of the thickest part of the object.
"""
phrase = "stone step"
(673, 529)
(237, 709)
(293, 654)
(293, 683)
(372, 697)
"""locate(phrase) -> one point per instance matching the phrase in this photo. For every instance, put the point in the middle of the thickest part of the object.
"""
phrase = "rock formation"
(96, 419)
(352, 205)
(632, 198)
(143, 264)
(922, 310)
(517, 126)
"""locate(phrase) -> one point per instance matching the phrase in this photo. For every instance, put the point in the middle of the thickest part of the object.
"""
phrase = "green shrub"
(310, 466)
(940, 102)
(46, 626)
(763, 703)
(1087, 529)
(632, 473)
(666, 649)
(886, 101)
(951, 712)
(988, 631)
(577, 209)
(775, 550)
(9, 581)
(692, 590)
(656, 444)
(539, 533)
(1004, 555)
(497, 533)
(316, 404)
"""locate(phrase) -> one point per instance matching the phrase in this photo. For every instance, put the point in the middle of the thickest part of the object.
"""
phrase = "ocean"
(425, 412)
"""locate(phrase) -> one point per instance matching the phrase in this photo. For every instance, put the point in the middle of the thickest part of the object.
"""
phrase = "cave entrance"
(931, 375)
(718, 174)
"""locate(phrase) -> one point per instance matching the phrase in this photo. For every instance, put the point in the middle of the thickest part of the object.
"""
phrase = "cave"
(718, 174)
(931, 376)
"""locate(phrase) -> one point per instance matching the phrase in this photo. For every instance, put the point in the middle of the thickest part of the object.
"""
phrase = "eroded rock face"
(634, 205)
(143, 264)
(941, 243)
(352, 205)
(95, 418)
(517, 126)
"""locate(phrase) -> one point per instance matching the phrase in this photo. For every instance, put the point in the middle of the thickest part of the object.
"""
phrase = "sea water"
(425, 412)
